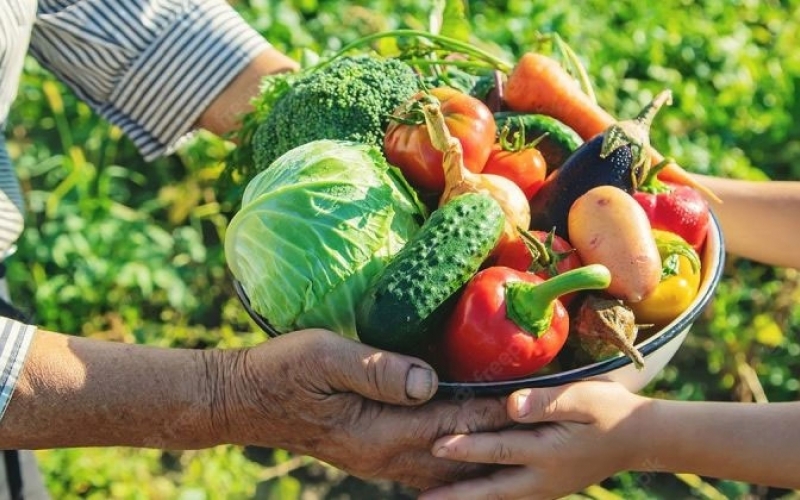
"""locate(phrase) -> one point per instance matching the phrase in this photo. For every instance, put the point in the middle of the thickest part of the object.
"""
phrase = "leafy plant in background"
(119, 249)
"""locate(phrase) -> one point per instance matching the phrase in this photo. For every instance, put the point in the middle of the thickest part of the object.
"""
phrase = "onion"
(459, 180)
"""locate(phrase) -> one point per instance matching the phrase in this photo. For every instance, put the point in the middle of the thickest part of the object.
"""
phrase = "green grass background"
(123, 250)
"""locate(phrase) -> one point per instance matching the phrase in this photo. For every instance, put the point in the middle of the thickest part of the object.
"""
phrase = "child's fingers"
(511, 447)
(576, 402)
(509, 483)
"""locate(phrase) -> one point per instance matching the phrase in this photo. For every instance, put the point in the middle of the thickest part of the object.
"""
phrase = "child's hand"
(592, 431)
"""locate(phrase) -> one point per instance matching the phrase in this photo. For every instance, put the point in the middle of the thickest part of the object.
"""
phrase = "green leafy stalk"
(575, 66)
(442, 41)
(449, 18)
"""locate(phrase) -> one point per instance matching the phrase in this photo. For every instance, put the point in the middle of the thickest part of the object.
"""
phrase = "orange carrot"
(539, 84)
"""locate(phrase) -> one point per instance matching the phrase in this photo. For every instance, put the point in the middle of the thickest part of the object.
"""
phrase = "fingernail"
(419, 383)
(444, 446)
(521, 404)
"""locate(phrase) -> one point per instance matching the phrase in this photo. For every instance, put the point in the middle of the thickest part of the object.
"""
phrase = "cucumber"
(560, 141)
(404, 309)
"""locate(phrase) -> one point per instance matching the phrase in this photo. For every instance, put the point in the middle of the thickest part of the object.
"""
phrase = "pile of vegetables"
(488, 217)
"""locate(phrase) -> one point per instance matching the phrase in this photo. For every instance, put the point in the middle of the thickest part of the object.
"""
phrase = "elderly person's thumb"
(380, 375)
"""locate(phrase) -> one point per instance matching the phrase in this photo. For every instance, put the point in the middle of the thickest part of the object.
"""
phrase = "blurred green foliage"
(116, 248)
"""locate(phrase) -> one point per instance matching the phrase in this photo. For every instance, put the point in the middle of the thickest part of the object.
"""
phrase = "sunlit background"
(120, 249)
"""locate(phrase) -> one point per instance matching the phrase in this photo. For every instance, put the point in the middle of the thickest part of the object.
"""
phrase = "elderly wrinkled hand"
(360, 409)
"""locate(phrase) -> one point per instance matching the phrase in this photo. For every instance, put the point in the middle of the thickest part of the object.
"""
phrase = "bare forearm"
(224, 114)
(755, 443)
(759, 219)
(80, 392)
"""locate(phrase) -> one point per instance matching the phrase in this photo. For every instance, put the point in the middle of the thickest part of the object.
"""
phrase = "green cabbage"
(313, 231)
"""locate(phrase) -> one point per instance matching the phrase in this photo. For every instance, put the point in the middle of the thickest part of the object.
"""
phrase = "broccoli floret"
(350, 98)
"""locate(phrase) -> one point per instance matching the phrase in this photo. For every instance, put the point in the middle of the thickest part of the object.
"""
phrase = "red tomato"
(560, 257)
(407, 144)
(554, 256)
(526, 167)
(678, 209)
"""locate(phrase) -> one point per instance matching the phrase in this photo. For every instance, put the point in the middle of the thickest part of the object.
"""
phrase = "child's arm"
(759, 219)
(595, 429)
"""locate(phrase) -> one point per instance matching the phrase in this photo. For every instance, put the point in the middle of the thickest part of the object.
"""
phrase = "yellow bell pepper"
(680, 282)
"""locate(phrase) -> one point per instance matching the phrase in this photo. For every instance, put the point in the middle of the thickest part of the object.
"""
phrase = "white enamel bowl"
(657, 350)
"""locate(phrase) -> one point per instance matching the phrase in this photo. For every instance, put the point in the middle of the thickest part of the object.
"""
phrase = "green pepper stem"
(667, 247)
(530, 305)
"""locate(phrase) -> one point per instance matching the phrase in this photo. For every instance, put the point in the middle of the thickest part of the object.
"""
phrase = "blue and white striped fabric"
(149, 66)
(10, 203)
(15, 338)
(16, 18)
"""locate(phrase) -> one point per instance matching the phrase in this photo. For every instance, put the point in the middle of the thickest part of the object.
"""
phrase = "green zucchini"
(405, 308)
(559, 140)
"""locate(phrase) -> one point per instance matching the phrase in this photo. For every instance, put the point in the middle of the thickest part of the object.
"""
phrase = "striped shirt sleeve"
(149, 66)
(15, 339)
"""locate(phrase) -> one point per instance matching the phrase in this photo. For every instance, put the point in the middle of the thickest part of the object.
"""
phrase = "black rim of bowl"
(494, 388)
(259, 319)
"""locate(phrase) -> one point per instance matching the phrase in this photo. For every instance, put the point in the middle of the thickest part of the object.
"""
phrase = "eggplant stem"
(647, 114)
(635, 133)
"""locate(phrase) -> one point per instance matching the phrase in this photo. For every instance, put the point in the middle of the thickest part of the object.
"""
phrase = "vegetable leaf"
(449, 18)
(315, 228)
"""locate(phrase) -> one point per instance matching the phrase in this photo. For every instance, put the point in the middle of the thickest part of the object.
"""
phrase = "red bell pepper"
(676, 208)
(508, 323)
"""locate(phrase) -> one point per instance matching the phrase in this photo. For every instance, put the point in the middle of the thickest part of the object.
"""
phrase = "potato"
(607, 226)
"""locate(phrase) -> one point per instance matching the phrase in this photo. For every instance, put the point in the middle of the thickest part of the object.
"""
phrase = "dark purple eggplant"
(617, 157)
